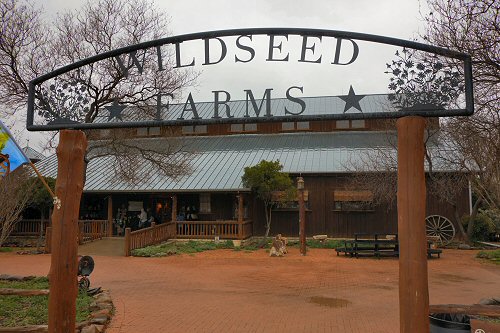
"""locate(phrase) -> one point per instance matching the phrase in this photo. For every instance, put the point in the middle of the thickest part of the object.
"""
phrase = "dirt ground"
(236, 291)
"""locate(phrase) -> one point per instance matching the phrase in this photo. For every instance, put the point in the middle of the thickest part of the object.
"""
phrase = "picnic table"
(378, 244)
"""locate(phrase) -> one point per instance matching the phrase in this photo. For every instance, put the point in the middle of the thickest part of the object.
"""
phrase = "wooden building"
(325, 152)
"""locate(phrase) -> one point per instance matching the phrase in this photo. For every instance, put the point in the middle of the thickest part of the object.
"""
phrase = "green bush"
(493, 256)
(190, 247)
(483, 226)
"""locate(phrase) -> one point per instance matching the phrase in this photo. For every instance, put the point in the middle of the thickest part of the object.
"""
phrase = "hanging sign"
(151, 83)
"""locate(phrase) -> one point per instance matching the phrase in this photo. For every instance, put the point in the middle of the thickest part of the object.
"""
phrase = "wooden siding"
(321, 218)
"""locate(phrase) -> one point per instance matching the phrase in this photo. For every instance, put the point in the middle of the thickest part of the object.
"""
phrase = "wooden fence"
(27, 227)
(91, 230)
(225, 229)
(148, 236)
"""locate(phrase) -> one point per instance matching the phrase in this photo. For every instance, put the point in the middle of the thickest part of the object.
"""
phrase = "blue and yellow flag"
(11, 155)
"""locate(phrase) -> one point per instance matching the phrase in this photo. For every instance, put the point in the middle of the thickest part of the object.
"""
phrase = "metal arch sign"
(346, 50)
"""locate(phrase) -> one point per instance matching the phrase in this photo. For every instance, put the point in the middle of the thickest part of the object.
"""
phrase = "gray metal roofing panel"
(320, 105)
(219, 162)
(32, 154)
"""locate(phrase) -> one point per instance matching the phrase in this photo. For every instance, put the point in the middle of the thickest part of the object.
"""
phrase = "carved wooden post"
(63, 265)
(413, 282)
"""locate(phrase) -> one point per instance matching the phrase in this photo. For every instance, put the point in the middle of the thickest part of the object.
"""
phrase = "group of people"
(187, 213)
(134, 221)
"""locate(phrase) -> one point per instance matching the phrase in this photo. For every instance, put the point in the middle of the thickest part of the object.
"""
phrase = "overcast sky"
(394, 18)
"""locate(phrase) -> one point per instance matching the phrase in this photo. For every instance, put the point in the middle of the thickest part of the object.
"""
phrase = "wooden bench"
(377, 245)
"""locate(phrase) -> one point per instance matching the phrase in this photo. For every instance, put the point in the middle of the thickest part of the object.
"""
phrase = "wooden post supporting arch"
(413, 281)
(63, 264)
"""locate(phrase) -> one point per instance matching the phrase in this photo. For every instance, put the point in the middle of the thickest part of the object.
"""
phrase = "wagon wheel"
(4, 165)
(437, 225)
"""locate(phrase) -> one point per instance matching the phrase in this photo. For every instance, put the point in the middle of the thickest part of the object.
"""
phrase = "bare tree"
(473, 27)
(31, 47)
(15, 193)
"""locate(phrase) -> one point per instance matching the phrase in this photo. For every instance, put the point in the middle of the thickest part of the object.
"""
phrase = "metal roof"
(32, 154)
(218, 161)
(321, 105)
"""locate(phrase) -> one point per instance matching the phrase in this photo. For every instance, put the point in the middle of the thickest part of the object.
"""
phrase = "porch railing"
(225, 229)
(91, 230)
(29, 227)
(148, 236)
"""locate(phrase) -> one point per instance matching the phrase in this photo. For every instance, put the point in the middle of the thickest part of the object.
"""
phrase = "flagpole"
(43, 180)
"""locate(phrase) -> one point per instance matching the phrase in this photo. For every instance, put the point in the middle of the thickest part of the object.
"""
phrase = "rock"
(490, 301)
(90, 329)
(103, 298)
(99, 320)
(82, 324)
(464, 247)
(4, 276)
(101, 313)
(320, 237)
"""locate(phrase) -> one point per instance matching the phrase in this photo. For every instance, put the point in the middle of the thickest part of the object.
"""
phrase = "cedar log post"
(413, 281)
(63, 264)
(110, 216)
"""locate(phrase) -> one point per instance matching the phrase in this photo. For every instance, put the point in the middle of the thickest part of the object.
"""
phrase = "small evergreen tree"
(265, 179)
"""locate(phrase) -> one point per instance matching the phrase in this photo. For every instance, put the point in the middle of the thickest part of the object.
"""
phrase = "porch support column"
(240, 208)
(110, 216)
(413, 281)
(63, 264)
(240, 215)
(174, 208)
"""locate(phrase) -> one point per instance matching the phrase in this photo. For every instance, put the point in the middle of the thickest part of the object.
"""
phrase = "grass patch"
(33, 310)
(493, 256)
(6, 249)
(316, 244)
(190, 247)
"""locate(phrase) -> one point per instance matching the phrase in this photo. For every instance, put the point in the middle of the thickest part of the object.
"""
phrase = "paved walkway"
(110, 246)
(234, 291)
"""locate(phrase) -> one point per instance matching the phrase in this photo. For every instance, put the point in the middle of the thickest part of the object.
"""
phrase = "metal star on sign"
(352, 100)
(115, 111)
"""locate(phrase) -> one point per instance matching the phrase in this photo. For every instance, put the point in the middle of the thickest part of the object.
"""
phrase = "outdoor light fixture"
(300, 183)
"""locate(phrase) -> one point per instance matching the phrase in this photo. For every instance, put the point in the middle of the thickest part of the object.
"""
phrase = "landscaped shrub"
(483, 226)
(493, 256)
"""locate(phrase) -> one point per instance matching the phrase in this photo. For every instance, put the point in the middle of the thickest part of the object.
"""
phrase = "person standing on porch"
(143, 218)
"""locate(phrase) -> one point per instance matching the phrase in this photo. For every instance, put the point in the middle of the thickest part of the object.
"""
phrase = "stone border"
(101, 308)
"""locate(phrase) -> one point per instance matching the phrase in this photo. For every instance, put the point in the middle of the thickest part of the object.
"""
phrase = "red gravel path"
(230, 291)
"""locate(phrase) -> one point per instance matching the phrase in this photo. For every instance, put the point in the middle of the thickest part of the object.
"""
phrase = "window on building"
(302, 125)
(360, 123)
(148, 131)
(346, 124)
(252, 127)
(192, 129)
(189, 129)
(205, 206)
(352, 200)
(154, 130)
(295, 125)
(288, 204)
(142, 131)
(342, 124)
(105, 133)
(238, 128)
